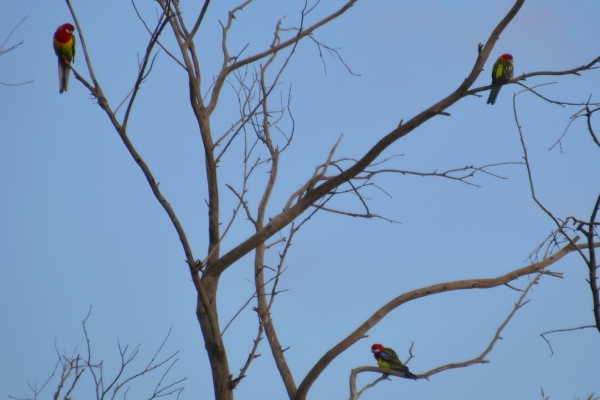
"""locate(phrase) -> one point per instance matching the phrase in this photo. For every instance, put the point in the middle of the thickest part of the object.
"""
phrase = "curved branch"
(343, 345)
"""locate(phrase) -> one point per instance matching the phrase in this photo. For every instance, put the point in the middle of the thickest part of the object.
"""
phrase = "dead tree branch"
(73, 366)
(354, 394)
(543, 335)
(357, 334)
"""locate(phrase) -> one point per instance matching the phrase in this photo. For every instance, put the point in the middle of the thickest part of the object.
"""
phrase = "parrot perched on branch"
(501, 73)
(388, 359)
(64, 47)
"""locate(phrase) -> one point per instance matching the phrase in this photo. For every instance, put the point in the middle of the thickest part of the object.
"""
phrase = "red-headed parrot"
(501, 73)
(64, 47)
(388, 359)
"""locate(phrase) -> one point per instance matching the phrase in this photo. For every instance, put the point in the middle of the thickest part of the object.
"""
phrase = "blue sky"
(80, 227)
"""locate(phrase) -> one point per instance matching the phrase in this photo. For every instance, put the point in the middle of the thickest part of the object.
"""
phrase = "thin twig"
(543, 335)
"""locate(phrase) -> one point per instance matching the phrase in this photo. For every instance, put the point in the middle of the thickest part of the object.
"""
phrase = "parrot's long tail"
(63, 75)
(411, 375)
(493, 94)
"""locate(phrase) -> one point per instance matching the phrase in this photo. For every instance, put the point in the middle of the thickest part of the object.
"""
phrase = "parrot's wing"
(504, 73)
(73, 49)
(390, 356)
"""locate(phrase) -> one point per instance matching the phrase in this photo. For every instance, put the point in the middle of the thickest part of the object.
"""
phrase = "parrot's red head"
(67, 27)
(376, 348)
(506, 57)
(64, 32)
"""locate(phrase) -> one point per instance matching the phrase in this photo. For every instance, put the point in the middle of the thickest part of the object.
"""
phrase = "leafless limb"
(146, 66)
(191, 35)
(253, 355)
(246, 94)
(584, 112)
(4, 50)
(571, 120)
(529, 174)
(273, 293)
(264, 309)
(85, 54)
(355, 215)
(274, 278)
(34, 389)
(544, 397)
(367, 175)
(543, 335)
(513, 288)
(250, 113)
(241, 202)
(481, 359)
(553, 242)
(469, 172)
(333, 52)
(152, 33)
(294, 39)
(558, 102)
(317, 176)
(73, 366)
(357, 334)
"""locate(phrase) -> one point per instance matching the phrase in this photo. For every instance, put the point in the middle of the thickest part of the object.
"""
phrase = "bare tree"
(265, 122)
(71, 367)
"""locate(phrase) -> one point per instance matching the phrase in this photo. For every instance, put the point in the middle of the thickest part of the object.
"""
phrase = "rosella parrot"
(501, 73)
(388, 359)
(64, 47)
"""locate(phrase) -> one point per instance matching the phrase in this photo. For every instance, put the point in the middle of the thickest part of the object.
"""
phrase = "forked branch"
(359, 333)
(481, 359)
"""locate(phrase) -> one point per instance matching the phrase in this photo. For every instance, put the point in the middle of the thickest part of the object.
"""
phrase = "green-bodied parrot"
(388, 359)
(501, 73)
